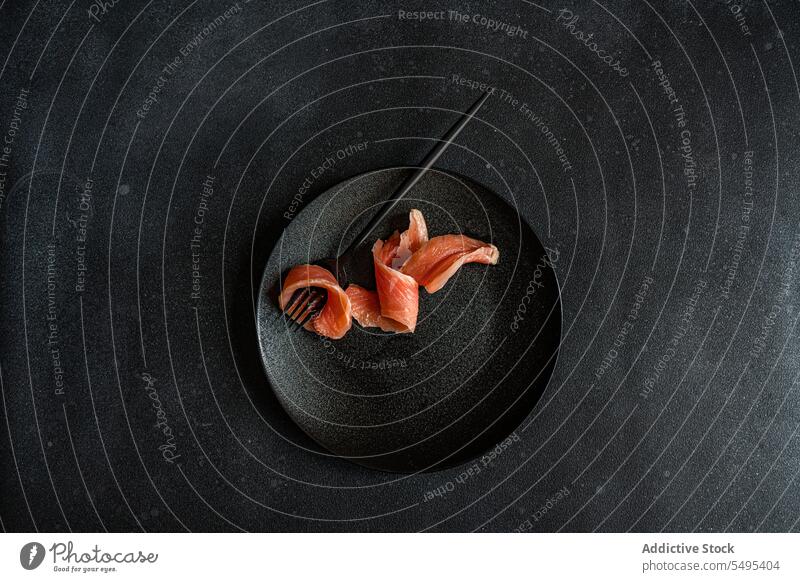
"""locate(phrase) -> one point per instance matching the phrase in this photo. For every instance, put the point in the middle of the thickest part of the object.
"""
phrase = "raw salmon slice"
(438, 259)
(367, 310)
(394, 306)
(398, 294)
(411, 239)
(335, 319)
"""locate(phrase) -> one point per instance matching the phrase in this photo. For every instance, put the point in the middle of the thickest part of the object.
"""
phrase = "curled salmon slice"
(394, 306)
(367, 310)
(398, 294)
(411, 239)
(335, 318)
(439, 258)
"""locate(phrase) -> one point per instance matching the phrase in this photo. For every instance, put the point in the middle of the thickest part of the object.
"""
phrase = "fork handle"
(412, 180)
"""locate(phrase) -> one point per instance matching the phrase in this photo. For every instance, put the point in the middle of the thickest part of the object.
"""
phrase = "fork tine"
(300, 308)
(310, 312)
(282, 311)
(307, 309)
(298, 302)
(310, 316)
(293, 299)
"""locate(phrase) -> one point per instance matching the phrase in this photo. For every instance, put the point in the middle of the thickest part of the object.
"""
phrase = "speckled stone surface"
(154, 158)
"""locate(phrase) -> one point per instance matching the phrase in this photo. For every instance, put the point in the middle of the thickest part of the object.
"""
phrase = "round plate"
(483, 351)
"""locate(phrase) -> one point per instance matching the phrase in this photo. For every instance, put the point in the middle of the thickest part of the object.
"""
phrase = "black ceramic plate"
(482, 354)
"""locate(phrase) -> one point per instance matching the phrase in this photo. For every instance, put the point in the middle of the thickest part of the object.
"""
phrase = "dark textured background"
(261, 101)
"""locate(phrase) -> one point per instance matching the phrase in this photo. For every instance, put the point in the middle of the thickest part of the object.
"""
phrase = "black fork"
(350, 266)
(304, 305)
